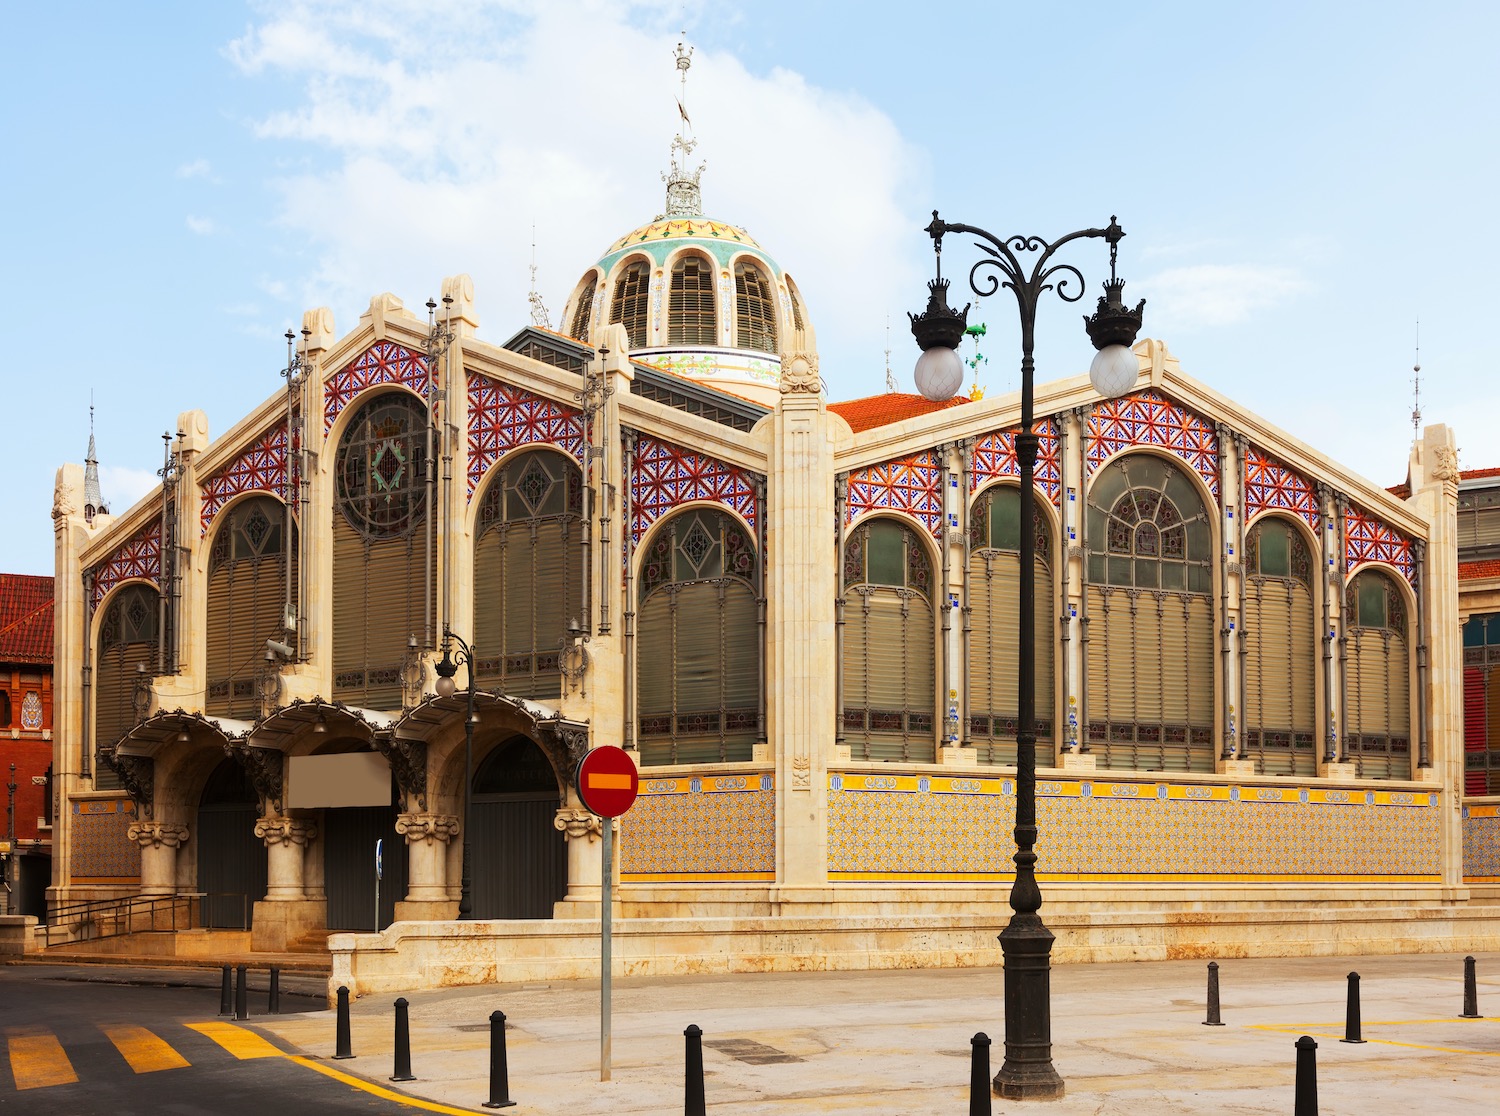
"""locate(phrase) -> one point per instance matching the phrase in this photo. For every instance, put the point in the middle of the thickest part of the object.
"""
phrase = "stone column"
(427, 838)
(159, 842)
(286, 845)
(582, 830)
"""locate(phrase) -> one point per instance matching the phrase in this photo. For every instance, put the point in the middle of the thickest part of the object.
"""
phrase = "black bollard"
(273, 1001)
(1471, 991)
(692, 1104)
(499, 1072)
(1213, 1019)
(226, 995)
(1306, 1102)
(241, 1007)
(342, 1048)
(1351, 1013)
(979, 1076)
(403, 1044)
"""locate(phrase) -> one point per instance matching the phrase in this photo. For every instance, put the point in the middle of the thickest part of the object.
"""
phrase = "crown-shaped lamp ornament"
(939, 330)
(1112, 328)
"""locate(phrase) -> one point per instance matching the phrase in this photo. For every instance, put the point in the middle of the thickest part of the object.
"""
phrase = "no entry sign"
(607, 781)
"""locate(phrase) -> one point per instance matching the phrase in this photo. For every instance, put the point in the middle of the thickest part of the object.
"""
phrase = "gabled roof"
(892, 406)
(25, 618)
(1475, 571)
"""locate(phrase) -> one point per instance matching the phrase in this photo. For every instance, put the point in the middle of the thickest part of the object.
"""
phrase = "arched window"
(890, 672)
(246, 602)
(1278, 725)
(691, 319)
(127, 657)
(699, 645)
(379, 548)
(632, 302)
(1151, 619)
(1377, 679)
(755, 308)
(528, 573)
(583, 311)
(994, 650)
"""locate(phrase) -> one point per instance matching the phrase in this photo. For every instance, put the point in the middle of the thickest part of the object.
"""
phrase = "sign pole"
(377, 884)
(606, 958)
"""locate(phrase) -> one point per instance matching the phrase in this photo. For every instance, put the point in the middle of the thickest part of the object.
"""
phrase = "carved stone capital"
(408, 760)
(427, 827)
(574, 824)
(1445, 464)
(799, 373)
(155, 834)
(286, 831)
(264, 766)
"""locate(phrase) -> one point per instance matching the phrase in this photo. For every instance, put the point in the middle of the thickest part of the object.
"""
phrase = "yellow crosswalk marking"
(241, 1043)
(37, 1060)
(143, 1050)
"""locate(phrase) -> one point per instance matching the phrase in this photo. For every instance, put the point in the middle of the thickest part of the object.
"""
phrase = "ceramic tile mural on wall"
(140, 556)
(706, 829)
(384, 362)
(1482, 843)
(260, 468)
(1148, 418)
(102, 851)
(914, 828)
(503, 417)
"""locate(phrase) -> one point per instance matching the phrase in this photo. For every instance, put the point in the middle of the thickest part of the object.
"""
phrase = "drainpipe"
(1082, 415)
(629, 606)
(965, 471)
(86, 768)
(840, 496)
(1242, 444)
(1064, 620)
(1226, 544)
(1424, 757)
(761, 737)
(1341, 508)
(947, 624)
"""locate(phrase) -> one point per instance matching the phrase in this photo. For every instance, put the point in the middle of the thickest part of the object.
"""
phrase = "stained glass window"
(382, 467)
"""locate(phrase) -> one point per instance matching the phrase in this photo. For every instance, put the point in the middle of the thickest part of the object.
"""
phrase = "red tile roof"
(893, 406)
(25, 618)
(1479, 474)
(1473, 571)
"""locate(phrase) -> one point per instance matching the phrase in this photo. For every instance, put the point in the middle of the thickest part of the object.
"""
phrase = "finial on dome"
(684, 198)
(1416, 388)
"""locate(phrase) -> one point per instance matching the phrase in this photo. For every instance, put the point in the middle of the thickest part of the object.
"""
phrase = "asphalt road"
(119, 1042)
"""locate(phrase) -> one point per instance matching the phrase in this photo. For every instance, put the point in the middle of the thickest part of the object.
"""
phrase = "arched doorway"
(520, 861)
(349, 834)
(231, 858)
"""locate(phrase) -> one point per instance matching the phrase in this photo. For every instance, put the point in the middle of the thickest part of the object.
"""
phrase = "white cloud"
(1202, 295)
(435, 154)
(121, 486)
(202, 226)
(198, 168)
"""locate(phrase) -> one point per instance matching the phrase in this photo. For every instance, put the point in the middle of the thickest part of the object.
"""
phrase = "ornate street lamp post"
(1025, 265)
(446, 669)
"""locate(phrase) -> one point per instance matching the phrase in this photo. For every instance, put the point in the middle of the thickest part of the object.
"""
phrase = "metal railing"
(90, 920)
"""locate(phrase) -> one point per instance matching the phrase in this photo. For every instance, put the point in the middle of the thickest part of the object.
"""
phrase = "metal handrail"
(123, 915)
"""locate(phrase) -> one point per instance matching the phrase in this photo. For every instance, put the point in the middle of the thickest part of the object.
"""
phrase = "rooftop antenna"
(684, 198)
(539, 315)
(890, 377)
(1416, 387)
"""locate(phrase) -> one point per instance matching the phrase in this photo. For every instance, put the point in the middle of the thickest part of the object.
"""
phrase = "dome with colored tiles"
(697, 297)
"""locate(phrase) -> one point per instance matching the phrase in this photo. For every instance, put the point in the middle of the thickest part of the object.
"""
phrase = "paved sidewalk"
(1128, 1038)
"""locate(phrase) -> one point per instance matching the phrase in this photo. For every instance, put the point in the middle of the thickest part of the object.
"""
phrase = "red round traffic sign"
(607, 781)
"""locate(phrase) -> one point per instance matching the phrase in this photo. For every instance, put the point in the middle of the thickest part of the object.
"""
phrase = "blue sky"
(1299, 183)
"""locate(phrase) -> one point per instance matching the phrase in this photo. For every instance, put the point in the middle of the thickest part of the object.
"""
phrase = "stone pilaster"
(801, 668)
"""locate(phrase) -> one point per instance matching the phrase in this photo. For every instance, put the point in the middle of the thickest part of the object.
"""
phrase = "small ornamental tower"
(93, 504)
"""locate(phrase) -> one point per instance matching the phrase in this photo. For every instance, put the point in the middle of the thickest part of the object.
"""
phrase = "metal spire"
(539, 315)
(890, 377)
(1416, 387)
(684, 199)
(93, 503)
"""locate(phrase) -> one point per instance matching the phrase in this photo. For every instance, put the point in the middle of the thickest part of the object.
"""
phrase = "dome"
(698, 298)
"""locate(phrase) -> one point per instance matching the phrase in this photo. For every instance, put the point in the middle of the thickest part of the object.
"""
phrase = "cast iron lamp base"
(1027, 1073)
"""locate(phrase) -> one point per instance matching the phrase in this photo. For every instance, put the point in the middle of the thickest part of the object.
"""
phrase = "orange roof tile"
(25, 618)
(1479, 474)
(893, 406)
(1473, 571)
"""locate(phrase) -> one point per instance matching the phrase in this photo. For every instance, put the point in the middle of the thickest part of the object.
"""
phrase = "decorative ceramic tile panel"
(384, 362)
(102, 850)
(138, 557)
(909, 828)
(911, 484)
(667, 476)
(503, 417)
(1368, 539)
(995, 456)
(1148, 419)
(1482, 844)
(261, 468)
(1271, 485)
(702, 829)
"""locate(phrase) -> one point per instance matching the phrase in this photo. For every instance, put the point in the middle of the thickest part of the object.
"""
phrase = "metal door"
(349, 836)
(231, 858)
(520, 860)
